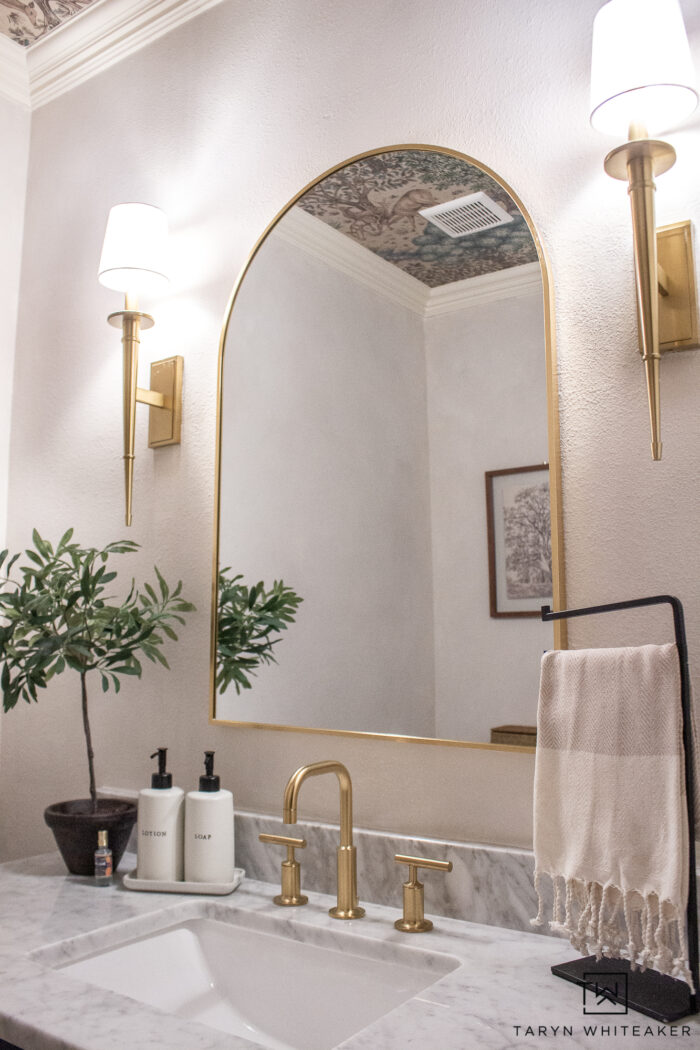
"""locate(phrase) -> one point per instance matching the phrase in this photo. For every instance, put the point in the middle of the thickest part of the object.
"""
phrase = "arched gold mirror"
(387, 412)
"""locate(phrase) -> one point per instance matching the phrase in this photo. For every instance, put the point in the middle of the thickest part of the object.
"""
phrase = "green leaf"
(64, 540)
(85, 582)
(163, 585)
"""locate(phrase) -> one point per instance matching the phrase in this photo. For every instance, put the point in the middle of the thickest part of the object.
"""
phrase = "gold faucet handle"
(414, 920)
(291, 894)
(284, 840)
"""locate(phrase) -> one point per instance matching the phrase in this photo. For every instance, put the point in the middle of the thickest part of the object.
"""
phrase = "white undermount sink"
(270, 984)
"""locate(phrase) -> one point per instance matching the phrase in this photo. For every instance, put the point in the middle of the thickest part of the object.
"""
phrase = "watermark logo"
(605, 993)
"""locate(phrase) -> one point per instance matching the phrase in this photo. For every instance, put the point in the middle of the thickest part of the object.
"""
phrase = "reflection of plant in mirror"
(59, 617)
(247, 617)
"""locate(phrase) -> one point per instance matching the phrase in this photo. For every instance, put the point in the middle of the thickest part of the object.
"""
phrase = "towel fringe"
(648, 933)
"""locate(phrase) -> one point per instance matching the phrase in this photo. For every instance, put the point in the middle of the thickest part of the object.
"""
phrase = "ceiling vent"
(465, 215)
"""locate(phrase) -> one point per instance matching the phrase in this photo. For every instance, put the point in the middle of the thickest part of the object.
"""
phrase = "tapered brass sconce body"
(347, 906)
(637, 162)
(165, 401)
(132, 259)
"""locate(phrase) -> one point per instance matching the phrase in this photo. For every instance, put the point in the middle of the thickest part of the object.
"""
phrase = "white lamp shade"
(134, 251)
(642, 71)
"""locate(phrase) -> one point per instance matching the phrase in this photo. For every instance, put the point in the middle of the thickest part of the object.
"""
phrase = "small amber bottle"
(103, 861)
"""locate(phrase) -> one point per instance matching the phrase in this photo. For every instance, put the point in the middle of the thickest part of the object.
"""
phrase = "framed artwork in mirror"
(519, 540)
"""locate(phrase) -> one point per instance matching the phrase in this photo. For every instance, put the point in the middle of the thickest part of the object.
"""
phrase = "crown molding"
(14, 79)
(342, 253)
(100, 38)
(86, 45)
(334, 249)
(518, 282)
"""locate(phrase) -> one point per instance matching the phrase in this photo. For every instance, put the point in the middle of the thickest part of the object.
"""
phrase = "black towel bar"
(654, 994)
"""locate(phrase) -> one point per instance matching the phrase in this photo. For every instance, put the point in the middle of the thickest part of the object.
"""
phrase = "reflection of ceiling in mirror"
(376, 201)
(27, 21)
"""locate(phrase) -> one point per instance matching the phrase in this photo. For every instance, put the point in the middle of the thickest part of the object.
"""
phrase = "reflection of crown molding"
(515, 283)
(342, 253)
(335, 249)
(14, 80)
(92, 41)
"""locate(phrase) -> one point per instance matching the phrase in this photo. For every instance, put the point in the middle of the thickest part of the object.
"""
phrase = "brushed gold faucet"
(347, 906)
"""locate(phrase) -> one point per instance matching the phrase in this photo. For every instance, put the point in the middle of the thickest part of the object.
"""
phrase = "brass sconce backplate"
(164, 423)
(678, 305)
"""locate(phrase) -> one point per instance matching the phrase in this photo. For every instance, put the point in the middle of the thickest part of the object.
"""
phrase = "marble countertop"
(502, 995)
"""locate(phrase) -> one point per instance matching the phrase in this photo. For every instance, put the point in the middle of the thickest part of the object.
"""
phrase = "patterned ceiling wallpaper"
(27, 21)
(376, 202)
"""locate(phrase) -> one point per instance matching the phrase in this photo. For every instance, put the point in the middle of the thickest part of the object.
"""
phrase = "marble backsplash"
(488, 884)
(492, 885)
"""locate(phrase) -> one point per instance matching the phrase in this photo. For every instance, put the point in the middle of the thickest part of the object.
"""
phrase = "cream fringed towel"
(611, 824)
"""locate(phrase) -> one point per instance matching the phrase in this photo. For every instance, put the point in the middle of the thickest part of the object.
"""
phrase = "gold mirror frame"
(559, 591)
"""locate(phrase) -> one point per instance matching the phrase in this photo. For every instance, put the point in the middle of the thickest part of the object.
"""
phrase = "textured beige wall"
(14, 136)
(220, 123)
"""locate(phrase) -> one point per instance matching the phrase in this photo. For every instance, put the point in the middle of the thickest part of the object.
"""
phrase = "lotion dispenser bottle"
(209, 847)
(160, 826)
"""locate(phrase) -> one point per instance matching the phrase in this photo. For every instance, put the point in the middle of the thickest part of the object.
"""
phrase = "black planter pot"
(75, 825)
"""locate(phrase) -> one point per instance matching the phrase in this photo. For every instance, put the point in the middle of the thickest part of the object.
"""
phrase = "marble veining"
(501, 990)
(488, 884)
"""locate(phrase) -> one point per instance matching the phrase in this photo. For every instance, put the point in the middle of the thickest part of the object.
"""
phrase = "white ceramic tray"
(218, 889)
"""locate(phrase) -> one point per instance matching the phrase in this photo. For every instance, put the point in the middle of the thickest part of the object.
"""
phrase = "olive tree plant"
(58, 615)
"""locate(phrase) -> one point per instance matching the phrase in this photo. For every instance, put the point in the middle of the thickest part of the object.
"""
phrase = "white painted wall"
(14, 136)
(325, 484)
(487, 410)
(220, 123)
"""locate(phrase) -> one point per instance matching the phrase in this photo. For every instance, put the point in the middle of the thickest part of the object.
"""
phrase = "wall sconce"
(133, 262)
(642, 82)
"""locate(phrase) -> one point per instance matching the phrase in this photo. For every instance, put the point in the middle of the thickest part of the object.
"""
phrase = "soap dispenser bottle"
(161, 826)
(209, 847)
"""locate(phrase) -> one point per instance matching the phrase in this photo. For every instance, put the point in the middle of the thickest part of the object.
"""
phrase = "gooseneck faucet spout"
(347, 906)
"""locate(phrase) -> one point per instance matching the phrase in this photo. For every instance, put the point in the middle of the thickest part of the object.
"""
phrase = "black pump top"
(161, 779)
(209, 782)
